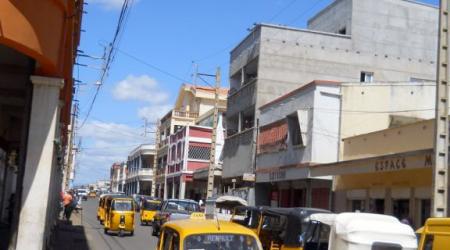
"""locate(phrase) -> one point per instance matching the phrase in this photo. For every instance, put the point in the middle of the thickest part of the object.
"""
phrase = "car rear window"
(119, 205)
(220, 241)
(183, 206)
(151, 205)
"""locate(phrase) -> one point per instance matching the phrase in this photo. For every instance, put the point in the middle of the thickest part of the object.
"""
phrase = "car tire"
(154, 232)
(132, 233)
(105, 231)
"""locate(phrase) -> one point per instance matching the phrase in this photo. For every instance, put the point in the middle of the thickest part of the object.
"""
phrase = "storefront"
(396, 184)
(291, 187)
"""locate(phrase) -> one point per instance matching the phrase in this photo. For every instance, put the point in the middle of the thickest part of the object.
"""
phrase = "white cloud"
(154, 112)
(108, 4)
(141, 88)
(103, 144)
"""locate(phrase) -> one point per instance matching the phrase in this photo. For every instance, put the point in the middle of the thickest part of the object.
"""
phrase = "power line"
(281, 10)
(151, 66)
(109, 53)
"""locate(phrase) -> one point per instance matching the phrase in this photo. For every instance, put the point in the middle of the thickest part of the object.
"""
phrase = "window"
(247, 119)
(167, 238)
(221, 241)
(366, 76)
(342, 31)
(199, 153)
(294, 130)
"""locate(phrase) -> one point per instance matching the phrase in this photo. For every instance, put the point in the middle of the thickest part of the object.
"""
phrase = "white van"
(357, 231)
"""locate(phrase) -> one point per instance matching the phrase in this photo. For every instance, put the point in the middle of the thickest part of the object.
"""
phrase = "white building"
(139, 174)
(295, 133)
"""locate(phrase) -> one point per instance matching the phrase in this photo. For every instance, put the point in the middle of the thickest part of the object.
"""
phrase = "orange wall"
(47, 31)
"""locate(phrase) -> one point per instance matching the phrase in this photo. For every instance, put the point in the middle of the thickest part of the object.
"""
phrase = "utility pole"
(155, 160)
(440, 170)
(212, 156)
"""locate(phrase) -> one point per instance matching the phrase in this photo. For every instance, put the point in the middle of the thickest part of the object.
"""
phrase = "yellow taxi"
(101, 209)
(435, 234)
(206, 234)
(148, 210)
(119, 216)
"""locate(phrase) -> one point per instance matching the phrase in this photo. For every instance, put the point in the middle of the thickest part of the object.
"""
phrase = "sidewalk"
(70, 235)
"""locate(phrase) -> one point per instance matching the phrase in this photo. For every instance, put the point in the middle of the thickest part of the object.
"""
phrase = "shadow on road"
(69, 236)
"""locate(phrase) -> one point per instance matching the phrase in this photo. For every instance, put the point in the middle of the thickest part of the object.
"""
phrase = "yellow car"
(119, 216)
(435, 235)
(101, 209)
(148, 210)
(206, 234)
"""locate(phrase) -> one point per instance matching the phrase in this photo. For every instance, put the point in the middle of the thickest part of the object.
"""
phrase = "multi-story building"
(122, 177)
(192, 102)
(38, 47)
(385, 162)
(295, 133)
(139, 175)
(348, 41)
(189, 150)
(114, 176)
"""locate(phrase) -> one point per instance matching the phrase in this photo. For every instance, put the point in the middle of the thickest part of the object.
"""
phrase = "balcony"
(238, 154)
(242, 99)
(184, 114)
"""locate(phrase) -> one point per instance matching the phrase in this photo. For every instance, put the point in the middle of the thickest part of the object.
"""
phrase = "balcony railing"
(238, 153)
(243, 98)
(185, 114)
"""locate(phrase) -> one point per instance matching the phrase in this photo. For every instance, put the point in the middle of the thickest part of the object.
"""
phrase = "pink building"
(189, 150)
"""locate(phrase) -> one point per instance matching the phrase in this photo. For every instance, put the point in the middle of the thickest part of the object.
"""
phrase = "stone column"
(182, 189)
(39, 162)
(138, 186)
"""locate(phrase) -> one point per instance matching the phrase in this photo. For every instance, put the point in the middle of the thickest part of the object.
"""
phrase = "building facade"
(190, 149)
(139, 174)
(115, 176)
(294, 133)
(38, 44)
(348, 41)
(193, 102)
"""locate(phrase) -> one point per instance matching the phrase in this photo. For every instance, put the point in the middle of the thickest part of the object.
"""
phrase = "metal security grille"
(199, 153)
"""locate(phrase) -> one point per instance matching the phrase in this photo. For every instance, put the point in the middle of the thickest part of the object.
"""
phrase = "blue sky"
(169, 35)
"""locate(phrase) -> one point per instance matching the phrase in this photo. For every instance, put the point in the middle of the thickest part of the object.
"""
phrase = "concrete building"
(192, 102)
(115, 176)
(122, 177)
(189, 150)
(139, 173)
(348, 41)
(38, 44)
(385, 160)
(387, 171)
(294, 133)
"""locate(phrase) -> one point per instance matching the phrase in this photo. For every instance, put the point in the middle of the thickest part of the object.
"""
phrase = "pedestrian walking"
(68, 204)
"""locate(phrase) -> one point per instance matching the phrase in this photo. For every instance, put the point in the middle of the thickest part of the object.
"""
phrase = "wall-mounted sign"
(248, 177)
(277, 175)
(399, 163)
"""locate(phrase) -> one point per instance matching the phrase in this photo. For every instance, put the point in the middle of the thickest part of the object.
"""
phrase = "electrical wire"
(110, 53)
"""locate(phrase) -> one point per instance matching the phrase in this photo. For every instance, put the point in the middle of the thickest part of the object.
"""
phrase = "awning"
(379, 164)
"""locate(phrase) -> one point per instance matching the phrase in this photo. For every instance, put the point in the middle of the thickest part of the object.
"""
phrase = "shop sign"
(277, 175)
(399, 163)
(248, 177)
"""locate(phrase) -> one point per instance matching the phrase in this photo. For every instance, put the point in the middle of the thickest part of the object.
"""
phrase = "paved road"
(97, 240)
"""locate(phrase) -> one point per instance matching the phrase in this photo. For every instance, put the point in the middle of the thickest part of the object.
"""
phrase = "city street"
(96, 239)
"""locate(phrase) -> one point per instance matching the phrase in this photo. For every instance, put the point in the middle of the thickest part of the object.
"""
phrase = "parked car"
(83, 193)
(174, 209)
